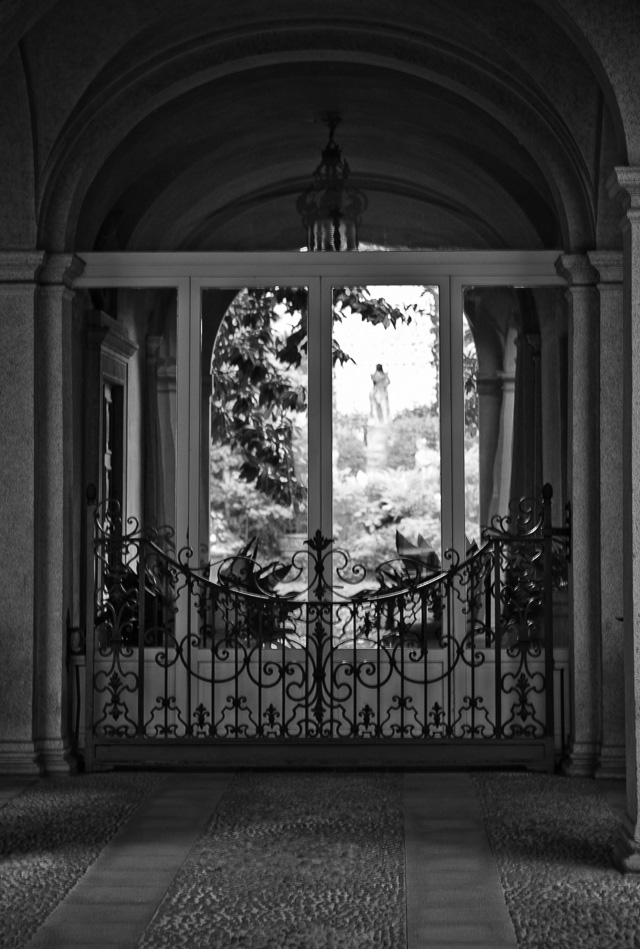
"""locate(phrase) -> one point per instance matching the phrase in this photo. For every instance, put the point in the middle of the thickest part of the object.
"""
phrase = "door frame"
(189, 272)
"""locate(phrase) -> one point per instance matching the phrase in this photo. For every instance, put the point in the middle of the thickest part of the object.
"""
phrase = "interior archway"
(201, 137)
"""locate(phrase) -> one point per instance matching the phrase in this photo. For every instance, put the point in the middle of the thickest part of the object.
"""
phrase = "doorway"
(331, 396)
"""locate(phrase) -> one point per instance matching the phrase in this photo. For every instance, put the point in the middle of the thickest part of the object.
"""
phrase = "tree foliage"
(240, 512)
(409, 426)
(259, 383)
(257, 393)
(469, 374)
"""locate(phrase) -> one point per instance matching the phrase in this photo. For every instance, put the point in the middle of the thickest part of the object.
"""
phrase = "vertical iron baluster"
(94, 599)
(142, 567)
(563, 746)
(236, 677)
(424, 620)
(306, 712)
(450, 647)
(471, 634)
(212, 610)
(189, 712)
(165, 668)
(283, 686)
(487, 607)
(328, 634)
(402, 658)
(498, 637)
(547, 534)
(260, 648)
(473, 648)
(355, 673)
(378, 630)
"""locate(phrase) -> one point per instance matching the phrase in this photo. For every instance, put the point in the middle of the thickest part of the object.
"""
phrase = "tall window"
(384, 468)
(254, 426)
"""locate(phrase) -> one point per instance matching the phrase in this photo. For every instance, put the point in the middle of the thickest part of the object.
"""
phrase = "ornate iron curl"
(525, 517)
(236, 609)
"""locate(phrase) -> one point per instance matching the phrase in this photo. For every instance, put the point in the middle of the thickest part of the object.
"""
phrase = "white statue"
(379, 398)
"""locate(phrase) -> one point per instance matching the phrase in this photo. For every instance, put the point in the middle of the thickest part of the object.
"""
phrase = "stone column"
(53, 497)
(504, 453)
(552, 372)
(489, 387)
(526, 468)
(584, 497)
(624, 185)
(612, 755)
(17, 519)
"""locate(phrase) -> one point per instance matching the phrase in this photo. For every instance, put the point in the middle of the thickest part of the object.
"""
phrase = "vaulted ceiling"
(160, 126)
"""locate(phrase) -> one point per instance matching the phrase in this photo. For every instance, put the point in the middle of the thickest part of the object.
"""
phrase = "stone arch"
(18, 149)
(608, 36)
(92, 148)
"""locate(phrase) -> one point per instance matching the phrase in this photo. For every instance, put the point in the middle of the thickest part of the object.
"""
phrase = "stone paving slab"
(543, 841)
(116, 893)
(454, 894)
(50, 834)
(98, 914)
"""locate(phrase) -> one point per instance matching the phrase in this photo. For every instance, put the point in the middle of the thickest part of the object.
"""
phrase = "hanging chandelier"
(331, 209)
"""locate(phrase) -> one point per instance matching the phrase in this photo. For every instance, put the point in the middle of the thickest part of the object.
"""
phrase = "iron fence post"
(142, 568)
(91, 555)
(497, 636)
(547, 537)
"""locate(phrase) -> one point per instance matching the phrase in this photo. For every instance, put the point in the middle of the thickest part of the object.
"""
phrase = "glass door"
(317, 405)
(254, 458)
(387, 469)
(254, 470)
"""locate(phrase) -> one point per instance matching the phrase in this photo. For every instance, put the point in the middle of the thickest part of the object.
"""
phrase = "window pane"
(133, 357)
(515, 406)
(386, 426)
(254, 421)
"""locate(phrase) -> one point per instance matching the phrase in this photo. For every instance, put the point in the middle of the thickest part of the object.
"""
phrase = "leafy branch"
(259, 382)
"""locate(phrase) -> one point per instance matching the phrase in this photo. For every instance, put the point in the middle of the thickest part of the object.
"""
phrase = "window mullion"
(454, 483)
(319, 412)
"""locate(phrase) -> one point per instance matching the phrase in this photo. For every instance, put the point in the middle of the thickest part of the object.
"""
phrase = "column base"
(626, 850)
(18, 757)
(581, 761)
(55, 756)
(612, 763)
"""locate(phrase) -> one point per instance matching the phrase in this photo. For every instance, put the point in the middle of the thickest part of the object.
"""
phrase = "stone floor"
(324, 860)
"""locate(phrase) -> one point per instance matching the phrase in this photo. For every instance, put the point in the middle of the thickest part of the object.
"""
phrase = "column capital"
(20, 266)
(608, 263)
(60, 270)
(623, 184)
(576, 270)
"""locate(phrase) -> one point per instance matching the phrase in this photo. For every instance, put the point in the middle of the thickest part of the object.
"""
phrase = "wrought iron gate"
(244, 665)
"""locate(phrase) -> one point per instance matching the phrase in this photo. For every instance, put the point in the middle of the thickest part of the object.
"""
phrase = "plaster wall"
(17, 184)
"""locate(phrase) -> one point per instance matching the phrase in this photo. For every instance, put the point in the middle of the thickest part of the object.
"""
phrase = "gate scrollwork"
(319, 648)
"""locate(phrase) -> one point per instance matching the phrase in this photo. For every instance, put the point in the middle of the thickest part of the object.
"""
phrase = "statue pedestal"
(377, 445)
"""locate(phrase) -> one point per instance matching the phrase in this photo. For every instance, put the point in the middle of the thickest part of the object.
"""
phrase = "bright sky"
(404, 353)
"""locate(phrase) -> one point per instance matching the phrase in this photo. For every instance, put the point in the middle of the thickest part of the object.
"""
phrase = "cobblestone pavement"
(293, 860)
(316, 861)
(552, 838)
(49, 836)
